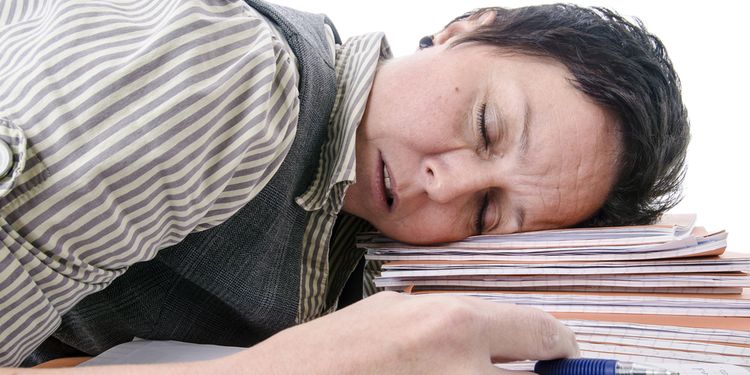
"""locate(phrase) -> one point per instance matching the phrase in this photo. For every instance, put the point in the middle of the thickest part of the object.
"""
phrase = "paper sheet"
(151, 352)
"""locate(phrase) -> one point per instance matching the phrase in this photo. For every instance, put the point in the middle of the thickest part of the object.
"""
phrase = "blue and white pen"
(590, 366)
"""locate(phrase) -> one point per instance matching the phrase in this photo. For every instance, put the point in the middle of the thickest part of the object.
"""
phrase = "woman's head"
(626, 70)
(579, 128)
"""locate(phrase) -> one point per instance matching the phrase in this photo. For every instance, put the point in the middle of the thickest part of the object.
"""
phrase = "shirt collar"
(356, 63)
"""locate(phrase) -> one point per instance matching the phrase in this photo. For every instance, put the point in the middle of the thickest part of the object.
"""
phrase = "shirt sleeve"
(128, 126)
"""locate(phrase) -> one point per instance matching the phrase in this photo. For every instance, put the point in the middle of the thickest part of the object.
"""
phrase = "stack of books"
(664, 293)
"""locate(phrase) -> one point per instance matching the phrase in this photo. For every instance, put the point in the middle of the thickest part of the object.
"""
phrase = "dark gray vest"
(237, 283)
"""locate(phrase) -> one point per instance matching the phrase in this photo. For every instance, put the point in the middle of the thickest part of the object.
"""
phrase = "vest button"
(6, 158)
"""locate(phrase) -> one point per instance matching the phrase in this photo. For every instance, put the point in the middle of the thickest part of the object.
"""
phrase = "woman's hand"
(392, 333)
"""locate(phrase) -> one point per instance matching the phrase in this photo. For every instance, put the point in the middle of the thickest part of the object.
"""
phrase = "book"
(663, 293)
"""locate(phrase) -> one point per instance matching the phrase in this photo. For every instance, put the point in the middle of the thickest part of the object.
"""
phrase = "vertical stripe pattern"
(356, 62)
(344, 255)
(132, 123)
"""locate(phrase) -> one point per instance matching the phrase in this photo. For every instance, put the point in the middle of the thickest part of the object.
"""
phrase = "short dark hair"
(623, 68)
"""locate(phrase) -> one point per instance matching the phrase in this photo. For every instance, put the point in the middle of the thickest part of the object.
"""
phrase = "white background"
(707, 45)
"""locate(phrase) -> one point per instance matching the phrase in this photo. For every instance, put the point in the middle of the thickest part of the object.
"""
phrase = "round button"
(6, 158)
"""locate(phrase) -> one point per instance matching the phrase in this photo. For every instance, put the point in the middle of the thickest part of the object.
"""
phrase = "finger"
(519, 333)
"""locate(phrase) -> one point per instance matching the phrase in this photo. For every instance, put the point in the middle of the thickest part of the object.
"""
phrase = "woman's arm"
(389, 333)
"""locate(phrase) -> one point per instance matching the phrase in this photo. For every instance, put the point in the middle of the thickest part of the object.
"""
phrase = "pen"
(590, 366)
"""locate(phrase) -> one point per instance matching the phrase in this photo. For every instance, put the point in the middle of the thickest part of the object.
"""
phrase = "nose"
(453, 174)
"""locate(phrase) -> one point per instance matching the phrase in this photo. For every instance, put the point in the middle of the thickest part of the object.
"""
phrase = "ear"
(461, 27)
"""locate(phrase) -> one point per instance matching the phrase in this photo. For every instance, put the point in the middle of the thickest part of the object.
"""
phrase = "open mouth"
(386, 188)
(387, 185)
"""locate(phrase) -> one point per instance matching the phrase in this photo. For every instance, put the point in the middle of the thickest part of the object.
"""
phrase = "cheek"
(438, 112)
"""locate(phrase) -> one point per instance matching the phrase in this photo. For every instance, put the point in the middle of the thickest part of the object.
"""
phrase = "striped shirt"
(131, 124)
(356, 62)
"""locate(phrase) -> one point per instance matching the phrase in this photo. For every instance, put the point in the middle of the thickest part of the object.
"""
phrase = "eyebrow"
(525, 132)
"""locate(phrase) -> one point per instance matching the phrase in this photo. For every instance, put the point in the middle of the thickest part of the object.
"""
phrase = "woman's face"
(545, 159)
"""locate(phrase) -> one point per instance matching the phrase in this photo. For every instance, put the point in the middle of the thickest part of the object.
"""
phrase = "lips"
(387, 184)
(386, 187)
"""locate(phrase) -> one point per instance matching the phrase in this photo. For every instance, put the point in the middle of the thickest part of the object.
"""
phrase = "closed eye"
(482, 127)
